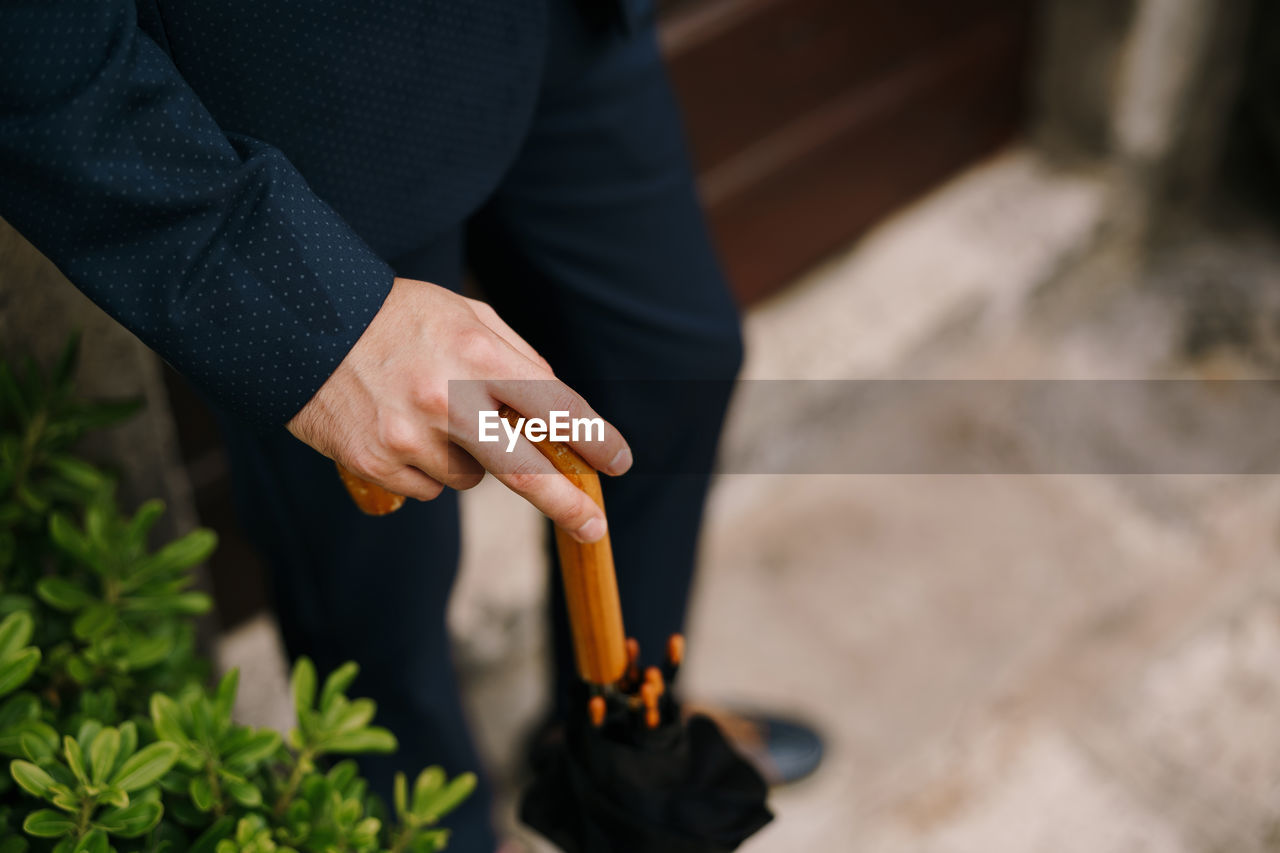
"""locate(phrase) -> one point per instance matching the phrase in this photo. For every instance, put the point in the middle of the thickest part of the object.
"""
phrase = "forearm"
(210, 247)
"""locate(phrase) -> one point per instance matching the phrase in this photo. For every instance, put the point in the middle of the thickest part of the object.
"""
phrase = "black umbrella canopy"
(628, 788)
(630, 774)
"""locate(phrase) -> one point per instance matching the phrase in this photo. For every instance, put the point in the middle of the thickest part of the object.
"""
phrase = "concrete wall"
(1145, 87)
(39, 309)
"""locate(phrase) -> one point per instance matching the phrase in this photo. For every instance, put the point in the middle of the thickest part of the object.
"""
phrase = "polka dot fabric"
(227, 181)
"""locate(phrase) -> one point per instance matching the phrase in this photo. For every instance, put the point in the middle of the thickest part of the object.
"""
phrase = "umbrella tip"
(653, 675)
(596, 709)
(649, 693)
(675, 649)
(633, 660)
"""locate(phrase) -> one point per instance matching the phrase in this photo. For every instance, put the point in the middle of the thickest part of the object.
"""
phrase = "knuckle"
(564, 400)
(432, 398)
(462, 482)
(575, 514)
(430, 491)
(475, 346)
(367, 464)
(399, 436)
(525, 477)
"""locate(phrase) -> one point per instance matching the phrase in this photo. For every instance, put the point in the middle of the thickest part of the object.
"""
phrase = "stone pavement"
(1028, 663)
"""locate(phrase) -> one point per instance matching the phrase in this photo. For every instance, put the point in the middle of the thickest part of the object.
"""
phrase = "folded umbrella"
(630, 776)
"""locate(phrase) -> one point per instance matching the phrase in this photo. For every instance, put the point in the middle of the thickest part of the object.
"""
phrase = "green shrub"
(113, 740)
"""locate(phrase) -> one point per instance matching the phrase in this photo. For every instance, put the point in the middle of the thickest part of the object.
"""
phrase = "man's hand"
(385, 415)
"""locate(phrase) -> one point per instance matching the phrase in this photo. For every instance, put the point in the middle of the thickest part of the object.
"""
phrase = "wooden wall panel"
(809, 120)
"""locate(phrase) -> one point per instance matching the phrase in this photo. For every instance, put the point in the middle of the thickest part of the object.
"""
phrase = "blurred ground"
(1032, 663)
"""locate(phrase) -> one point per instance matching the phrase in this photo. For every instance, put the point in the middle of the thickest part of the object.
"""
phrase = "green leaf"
(225, 696)
(88, 731)
(78, 472)
(429, 781)
(260, 746)
(102, 755)
(16, 669)
(65, 799)
(97, 515)
(17, 709)
(188, 603)
(191, 603)
(338, 682)
(15, 631)
(303, 684)
(208, 840)
(447, 799)
(94, 841)
(31, 778)
(243, 792)
(31, 499)
(201, 792)
(75, 758)
(366, 831)
(128, 738)
(13, 844)
(356, 715)
(11, 395)
(137, 818)
(12, 735)
(144, 651)
(114, 797)
(430, 842)
(94, 621)
(143, 520)
(182, 553)
(166, 716)
(79, 670)
(372, 739)
(400, 794)
(69, 538)
(46, 823)
(145, 766)
(63, 594)
(37, 744)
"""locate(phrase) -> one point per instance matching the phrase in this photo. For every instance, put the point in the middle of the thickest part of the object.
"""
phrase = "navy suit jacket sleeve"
(208, 245)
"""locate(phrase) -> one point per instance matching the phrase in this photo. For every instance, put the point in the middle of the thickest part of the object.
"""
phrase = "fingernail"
(621, 462)
(592, 531)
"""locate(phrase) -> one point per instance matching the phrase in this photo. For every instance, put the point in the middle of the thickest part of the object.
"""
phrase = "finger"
(439, 459)
(488, 316)
(597, 441)
(411, 482)
(462, 471)
(527, 473)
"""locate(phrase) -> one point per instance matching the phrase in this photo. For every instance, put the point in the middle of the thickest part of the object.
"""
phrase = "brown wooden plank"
(746, 68)
(798, 195)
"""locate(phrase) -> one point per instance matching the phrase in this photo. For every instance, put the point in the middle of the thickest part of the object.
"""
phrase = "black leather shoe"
(783, 749)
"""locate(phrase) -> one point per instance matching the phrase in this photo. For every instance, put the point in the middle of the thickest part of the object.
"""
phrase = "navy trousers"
(594, 249)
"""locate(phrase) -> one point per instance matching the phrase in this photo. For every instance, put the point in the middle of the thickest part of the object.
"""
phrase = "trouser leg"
(347, 586)
(594, 248)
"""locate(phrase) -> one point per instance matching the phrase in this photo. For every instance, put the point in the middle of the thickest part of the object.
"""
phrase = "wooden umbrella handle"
(371, 498)
(590, 583)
